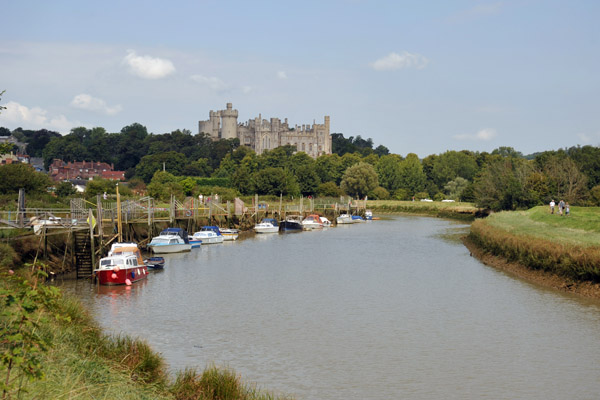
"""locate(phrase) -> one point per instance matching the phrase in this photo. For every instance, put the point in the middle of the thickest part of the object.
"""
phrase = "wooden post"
(99, 214)
(280, 202)
(301, 205)
(21, 208)
(119, 221)
(92, 247)
(149, 219)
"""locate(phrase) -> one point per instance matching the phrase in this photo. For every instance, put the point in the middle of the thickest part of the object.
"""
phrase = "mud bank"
(539, 277)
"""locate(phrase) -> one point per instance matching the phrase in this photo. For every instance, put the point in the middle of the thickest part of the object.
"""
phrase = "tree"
(171, 161)
(411, 175)
(381, 150)
(456, 187)
(164, 185)
(242, 181)
(451, 164)
(566, 180)
(501, 185)
(275, 181)
(359, 179)
(307, 179)
(199, 167)
(65, 189)
(388, 171)
(329, 168)
(22, 176)
(329, 189)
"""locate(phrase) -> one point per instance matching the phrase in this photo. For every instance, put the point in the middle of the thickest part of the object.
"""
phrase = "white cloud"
(483, 135)
(212, 82)
(148, 67)
(399, 61)
(589, 139)
(87, 102)
(17, 115)
(281, 75)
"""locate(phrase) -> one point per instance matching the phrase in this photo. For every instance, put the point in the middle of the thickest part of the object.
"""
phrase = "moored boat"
(209, 235)
(311, 222)
(170, 240)
(230, 234)
(155, 262)
(267, 225)
(368, 215)
(291, 223)
(357, 218)
(122, 266)
(344, 219)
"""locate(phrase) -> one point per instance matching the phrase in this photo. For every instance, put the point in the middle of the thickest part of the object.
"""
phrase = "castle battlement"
(261, 134)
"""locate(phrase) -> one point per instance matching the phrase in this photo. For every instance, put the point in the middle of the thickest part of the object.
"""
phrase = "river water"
(388, 309)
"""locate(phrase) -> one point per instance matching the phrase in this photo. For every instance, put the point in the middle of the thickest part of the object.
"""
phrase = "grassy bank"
(462, 211)
(568, 246)
(50, 348)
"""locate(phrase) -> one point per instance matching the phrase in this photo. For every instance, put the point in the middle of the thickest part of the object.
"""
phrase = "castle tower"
(229, 123)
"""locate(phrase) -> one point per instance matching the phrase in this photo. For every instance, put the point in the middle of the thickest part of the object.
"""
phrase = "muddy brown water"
(389, 309)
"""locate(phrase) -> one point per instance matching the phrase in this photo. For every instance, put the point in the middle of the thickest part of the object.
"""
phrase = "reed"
(84, 363)
(570, 251)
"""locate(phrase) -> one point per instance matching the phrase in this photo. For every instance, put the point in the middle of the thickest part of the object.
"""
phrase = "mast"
(119, 221)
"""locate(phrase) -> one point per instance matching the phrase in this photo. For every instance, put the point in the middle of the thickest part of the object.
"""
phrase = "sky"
(418, 77)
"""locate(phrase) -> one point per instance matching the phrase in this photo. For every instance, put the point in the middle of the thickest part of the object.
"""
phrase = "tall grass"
(570, 251)
(85, 363)
(465, 211)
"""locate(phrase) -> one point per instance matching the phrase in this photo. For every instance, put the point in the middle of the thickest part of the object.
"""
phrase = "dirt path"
(543, 278)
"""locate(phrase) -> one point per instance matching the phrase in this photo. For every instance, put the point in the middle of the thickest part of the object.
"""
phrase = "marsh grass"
(569, 248)
(462, 211)
(84, 363)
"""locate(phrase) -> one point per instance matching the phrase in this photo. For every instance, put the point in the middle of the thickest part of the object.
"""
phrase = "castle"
(260, 134)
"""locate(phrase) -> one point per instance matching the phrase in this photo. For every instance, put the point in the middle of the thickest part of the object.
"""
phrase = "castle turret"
(229, 122)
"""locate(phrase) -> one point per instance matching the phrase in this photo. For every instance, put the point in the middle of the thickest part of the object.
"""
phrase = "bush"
(379, 193)
(328, 189)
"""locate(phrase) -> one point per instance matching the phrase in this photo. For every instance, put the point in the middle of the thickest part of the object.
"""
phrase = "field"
(568, 246)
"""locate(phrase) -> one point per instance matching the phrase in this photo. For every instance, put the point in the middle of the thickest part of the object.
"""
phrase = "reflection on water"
(383, 310)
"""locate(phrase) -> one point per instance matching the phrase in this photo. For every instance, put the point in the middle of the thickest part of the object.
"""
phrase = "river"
(388, 309)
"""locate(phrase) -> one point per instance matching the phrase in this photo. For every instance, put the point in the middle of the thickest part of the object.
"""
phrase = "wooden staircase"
(83, 254)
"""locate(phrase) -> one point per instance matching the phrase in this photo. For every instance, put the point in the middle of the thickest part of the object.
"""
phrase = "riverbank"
(52, 348)
(453, 210)
(558, 252)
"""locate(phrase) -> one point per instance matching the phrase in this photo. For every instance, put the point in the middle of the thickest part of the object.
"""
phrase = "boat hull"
(171, 248)
(120, 277)
(266, 229)
(290, 226)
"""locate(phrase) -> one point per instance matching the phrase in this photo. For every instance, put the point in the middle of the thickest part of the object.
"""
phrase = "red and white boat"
(123, 265)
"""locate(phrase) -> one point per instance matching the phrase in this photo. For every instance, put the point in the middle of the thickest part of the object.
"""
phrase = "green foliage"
(411, 175)
(213, 182)
(502, 184)
(379, 193)
(26, 304)
(171, 161)
(329, 189)
(199, 167)
(242, 181)
(275, 181)
(595, 195)
(402, 194)
(99, 186)
(8, 256)
(308, 179)
(456, 187)
(164, 185)
(359, 180)
(6, 148)
(22, 176)
(65, 189)
(388, 171)
(329, 168)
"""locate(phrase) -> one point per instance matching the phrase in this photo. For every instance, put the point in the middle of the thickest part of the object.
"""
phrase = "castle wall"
(261, 134)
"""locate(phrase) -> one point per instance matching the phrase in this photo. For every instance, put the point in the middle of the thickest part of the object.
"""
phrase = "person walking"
(552, 204)
(567, 209)
(561, 206)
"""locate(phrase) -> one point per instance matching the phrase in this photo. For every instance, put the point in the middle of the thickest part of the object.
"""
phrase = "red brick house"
(60, 170)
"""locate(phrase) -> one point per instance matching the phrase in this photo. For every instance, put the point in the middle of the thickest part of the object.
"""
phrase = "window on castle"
(303, 146)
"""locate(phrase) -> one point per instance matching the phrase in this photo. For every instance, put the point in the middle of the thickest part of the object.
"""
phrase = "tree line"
(180, 163)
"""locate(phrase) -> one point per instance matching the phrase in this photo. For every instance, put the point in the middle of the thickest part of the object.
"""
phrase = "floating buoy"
(114, 276)
(116, 269)
(132, 275)
(128, 282)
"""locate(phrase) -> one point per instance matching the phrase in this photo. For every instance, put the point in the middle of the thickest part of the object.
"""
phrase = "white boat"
(368, 215)
(267, 225)
(230, 234)
(171, 240)
(209, 235)
(311, 222)
(344, 219)
(326, 222)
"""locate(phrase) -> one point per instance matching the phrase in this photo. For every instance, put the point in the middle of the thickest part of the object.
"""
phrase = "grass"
(566, 246)
(581, 228)
(84, 363)
(463, 211)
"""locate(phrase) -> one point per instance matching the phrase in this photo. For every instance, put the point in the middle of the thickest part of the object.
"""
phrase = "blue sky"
(416, 76)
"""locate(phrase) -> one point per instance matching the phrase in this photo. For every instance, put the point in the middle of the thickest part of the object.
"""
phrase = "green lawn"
(582, 227)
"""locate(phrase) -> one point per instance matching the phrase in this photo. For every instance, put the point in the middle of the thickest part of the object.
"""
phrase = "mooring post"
(92, 247)
(99, 214)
